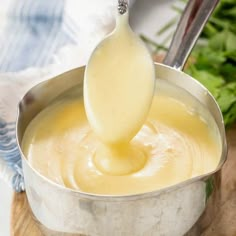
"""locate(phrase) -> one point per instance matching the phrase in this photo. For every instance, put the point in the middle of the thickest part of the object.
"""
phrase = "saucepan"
(168, 211)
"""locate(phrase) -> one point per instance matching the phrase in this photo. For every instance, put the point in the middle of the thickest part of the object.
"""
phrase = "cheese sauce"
(178, 141)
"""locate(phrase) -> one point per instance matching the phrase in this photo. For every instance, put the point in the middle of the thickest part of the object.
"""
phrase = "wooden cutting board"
(219, 218)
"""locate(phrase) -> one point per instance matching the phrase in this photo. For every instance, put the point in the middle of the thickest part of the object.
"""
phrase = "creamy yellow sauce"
(118, 90)
(178, 141)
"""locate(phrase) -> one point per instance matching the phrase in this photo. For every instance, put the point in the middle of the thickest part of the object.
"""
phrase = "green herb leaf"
(211, 82)
(230, 42)
(230, 115)
(217, 42)
(226, 98)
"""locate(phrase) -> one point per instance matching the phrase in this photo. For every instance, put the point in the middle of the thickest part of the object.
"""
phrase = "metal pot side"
(169, 211)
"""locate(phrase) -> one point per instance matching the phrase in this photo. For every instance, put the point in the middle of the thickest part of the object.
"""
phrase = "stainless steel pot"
(169, 211)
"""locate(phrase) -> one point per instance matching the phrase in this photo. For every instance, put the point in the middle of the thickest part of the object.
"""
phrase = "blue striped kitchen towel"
(48, 37)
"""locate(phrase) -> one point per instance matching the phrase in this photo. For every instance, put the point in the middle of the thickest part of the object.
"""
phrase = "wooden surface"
(219, 218)
(22, 222)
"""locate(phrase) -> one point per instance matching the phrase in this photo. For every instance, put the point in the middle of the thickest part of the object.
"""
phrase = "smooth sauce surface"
(178, 144)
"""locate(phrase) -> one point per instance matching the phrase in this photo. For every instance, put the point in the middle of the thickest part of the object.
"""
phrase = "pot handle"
(192, 21)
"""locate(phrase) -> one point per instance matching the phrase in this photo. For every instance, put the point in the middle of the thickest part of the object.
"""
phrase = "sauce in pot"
(178, 141)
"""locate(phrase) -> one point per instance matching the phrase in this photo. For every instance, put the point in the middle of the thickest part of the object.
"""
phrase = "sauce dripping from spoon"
(119, 85)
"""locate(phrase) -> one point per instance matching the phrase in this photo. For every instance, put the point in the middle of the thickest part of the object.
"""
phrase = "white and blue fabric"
(39, 39)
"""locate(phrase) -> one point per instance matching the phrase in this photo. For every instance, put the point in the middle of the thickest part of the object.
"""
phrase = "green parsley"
(214, 59)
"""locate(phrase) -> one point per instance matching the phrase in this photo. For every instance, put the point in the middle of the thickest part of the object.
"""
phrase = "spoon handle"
(193, 19)
(122, 6)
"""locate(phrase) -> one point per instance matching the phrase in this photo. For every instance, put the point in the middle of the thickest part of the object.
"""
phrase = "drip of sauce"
(177, 142)
(118, 90)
